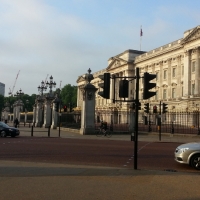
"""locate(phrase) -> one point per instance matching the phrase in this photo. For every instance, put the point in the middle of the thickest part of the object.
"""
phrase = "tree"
(69, 95)
(1, 103)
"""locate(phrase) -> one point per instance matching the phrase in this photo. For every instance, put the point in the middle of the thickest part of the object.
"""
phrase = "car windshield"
(4, 125)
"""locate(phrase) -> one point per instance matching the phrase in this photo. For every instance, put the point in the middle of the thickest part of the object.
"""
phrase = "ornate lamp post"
(51, 84)
(42, 88)
(19, 94)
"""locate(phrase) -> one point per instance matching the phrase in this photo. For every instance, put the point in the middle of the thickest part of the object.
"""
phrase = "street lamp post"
(51, 84)
(19, 94)
(42, 88)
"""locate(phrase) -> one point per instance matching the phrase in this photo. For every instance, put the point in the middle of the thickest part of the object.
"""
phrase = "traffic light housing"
(133, 106)
(155, 109)
(65, 108)
(123, 88)
(147, 85)
(164, 108)
(146, 107)
(105, 85)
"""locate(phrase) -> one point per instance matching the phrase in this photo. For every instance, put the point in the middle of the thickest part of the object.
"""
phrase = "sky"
(64, 38)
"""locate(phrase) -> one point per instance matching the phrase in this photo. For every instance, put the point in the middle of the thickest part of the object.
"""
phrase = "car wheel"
(195, 161)
(3, 134)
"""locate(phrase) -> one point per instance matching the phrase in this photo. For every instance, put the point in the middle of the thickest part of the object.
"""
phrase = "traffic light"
(123, 88)
(155, 109)
(146, 107)
(105, 85)
(147, 85)
(164, 107)
(65, 108)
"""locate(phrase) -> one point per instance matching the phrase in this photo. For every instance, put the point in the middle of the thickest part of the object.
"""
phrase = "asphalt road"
(106, 153)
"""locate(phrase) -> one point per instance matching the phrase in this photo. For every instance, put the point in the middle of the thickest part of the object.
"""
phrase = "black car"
(6, 130)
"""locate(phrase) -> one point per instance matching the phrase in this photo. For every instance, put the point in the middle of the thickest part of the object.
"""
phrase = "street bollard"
(49, 131)
(32, 131)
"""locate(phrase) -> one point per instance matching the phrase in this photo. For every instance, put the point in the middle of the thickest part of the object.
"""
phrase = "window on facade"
(156, 96)
(193, 66)
(192, 89)
(173, 93)
(174, 72)
(164, 93)
(165, 74)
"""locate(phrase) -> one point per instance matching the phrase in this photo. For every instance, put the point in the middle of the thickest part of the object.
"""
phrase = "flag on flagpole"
(141, 33)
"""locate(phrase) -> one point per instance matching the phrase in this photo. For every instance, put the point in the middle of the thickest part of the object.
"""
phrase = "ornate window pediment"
(164, 85)
(174, 84)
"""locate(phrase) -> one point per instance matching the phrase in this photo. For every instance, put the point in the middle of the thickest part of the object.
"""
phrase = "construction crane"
(11, 91)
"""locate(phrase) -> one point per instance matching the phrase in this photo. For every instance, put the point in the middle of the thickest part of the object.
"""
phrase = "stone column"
(161, 73)
(47, 113)
(196, 92)
(88, 110)
(179, 85)
(88, 106)
(39, 114)
(186, 83)
(112, 89)
(34, 114)
(169, 78)
(54, 115)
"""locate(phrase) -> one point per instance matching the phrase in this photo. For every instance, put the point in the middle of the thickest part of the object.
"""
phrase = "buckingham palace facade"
(176, 65)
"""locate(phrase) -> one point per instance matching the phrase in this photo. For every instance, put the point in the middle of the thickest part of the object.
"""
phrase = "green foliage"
(69, 95)
(1, 103)
(26, 99)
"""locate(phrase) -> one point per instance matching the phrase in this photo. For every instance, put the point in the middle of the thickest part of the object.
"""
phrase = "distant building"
(2, 88)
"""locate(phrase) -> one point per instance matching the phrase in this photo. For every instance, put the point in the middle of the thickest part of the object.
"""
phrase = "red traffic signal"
(65, 108)
(155, 109)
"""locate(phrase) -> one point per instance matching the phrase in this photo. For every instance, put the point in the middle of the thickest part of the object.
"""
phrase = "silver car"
(188, 154)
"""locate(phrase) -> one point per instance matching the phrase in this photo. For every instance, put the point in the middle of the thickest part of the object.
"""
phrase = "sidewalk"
(142, 136)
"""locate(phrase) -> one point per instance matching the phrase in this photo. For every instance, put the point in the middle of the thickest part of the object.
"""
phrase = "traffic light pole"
(160, 122)
(136, 119)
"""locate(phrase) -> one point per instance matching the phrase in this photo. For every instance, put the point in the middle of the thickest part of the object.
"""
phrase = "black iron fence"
(171, 122)
(70, 120)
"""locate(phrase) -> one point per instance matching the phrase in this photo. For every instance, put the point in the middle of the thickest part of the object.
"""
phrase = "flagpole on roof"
(141, 33)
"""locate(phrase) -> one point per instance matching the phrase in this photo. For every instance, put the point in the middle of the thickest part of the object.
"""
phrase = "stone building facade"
(177, 66)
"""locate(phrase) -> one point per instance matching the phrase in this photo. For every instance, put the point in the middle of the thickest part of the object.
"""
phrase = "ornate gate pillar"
(48, 110)
(88, 107)
(39, 110)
